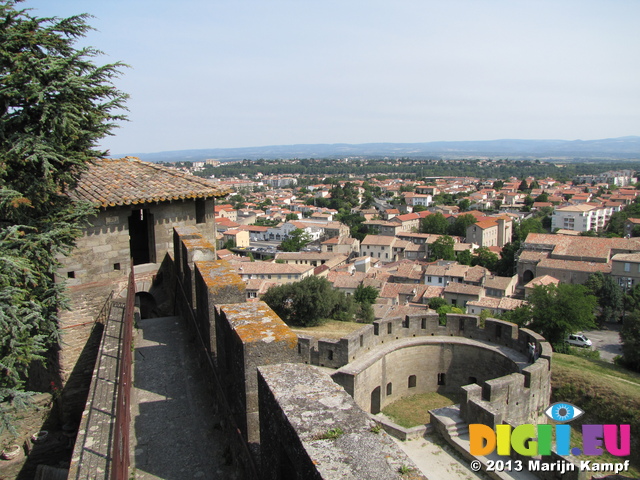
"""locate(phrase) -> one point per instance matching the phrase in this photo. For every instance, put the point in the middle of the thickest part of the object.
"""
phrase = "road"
(607, 342)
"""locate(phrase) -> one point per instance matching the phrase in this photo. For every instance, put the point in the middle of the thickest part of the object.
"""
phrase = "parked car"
(578, 340)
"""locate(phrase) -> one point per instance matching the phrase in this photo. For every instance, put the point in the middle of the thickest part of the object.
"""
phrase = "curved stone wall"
(424, 364)
(488, 364)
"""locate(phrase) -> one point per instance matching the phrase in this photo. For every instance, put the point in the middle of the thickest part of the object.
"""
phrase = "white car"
(578, 340)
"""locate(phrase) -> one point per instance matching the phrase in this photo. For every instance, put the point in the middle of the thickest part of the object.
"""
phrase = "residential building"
(491, 231)
(625, 269)
(581, 218)
(279, 273)
(379, 246)
(570, 259)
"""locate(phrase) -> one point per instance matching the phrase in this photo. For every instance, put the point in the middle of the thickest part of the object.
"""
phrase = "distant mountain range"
(609, 148)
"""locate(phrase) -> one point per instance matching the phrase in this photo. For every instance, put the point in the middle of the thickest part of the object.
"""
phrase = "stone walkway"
(174, 431)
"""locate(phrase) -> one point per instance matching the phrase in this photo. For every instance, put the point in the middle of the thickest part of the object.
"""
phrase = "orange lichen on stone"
(187, 230)
(197, 243)
(256, 322)
(219, 274)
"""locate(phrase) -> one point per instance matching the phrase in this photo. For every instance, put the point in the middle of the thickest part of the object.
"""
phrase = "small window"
(389, 388)
(71, 274)
(423, 324)
(389, 328)
(361, 340)
(627, 267)
(200, 210)
(442, 378)
(116, 266)
(330, 354)
(376, 329)
(412, 381)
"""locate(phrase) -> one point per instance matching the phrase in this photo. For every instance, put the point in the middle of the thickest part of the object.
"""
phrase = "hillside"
(611, 148)
(607, 393)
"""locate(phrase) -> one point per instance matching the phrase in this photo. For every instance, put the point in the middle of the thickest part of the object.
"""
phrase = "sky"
(245, 73)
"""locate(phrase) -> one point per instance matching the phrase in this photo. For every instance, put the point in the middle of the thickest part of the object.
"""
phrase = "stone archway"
(527, 276)
(147, 303)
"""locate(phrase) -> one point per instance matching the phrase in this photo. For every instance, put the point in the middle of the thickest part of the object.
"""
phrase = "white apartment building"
(581, 218)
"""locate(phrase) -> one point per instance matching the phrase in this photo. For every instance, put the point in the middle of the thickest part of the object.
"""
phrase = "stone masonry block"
(312, 429)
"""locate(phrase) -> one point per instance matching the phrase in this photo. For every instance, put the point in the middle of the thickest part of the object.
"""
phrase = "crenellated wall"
(249, 335)
(382, 362)
(393, 357)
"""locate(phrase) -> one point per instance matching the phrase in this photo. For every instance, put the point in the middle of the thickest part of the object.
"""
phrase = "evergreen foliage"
(485, 258)
(296, 241)
(309, 302)
(435, 223)
(55, 105)
(630, 335)
(609, 294)
(442, 249)
(555, 311)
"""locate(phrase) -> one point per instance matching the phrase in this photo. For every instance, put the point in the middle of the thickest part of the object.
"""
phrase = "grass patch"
(414, 410)
(607, 393)
(331, 434)
(330, 329)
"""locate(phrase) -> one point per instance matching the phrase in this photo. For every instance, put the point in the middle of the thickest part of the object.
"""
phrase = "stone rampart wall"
(241, 338)
(505, 383)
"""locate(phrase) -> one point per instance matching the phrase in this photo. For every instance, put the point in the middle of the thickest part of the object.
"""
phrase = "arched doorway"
(375, 401)
(527, 276)
(147, 305)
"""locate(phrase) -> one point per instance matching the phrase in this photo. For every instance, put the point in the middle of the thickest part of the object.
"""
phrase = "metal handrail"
(120, 453)
(101, 317)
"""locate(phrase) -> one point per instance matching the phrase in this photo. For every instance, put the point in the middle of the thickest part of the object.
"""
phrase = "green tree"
(291, 216)
(365, 313)
(464, 204)
(506, 266)
(609, 294)
(308, 302)
(523, 187)
(443, 310)
(366, 294)
(555, 311)
(462, 222)
(630, 336)
(465, 257)
(543, 197)
(436, 302)
(296, 241)
(485, 258)
(525, 227)
(55, 106)
(442, 248)
(435, 223)
(229, 244)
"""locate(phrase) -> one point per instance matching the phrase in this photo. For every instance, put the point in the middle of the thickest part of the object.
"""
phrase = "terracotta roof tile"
(128, 181)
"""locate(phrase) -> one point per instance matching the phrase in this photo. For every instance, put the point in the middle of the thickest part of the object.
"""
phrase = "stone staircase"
(458, 429)
(448, 423)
